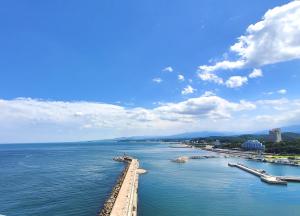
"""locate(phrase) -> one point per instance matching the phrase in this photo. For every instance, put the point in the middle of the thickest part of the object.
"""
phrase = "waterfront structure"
(123, 199)
(253, 145)
(275, 135)
(265, 177)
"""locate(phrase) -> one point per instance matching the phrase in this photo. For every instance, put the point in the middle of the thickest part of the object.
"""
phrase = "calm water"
(74, 179)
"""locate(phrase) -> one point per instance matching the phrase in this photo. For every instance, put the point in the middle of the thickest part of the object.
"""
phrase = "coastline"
(250, 155)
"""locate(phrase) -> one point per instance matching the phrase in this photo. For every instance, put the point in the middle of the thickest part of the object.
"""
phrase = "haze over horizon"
(104, 69)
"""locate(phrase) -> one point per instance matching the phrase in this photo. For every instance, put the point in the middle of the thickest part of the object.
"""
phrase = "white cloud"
(276, 38)
(208, 76)
(188, 90)
(213, 107)
(279, 112)
(157, 80)
(208, 93)
(275, 102)
(282, 91)
(224, 65)
(180, 77)
(268, 93)
(168, 69)
(256, 73)
(236, 81)
(28, 120)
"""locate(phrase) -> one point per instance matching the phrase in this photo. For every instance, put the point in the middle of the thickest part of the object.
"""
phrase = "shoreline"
(250, 155)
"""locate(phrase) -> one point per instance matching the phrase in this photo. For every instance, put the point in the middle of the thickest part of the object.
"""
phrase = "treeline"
(284, 147)
(289, 145)
(286, 136)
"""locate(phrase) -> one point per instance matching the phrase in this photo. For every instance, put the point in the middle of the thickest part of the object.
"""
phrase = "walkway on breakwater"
(265, 177)
(123, 199)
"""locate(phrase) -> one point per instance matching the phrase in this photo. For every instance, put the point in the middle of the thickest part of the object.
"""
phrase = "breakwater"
(123, 198)
(184, 159)
(265, 177)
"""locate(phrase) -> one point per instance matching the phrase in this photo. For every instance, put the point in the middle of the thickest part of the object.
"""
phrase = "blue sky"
(129, 54)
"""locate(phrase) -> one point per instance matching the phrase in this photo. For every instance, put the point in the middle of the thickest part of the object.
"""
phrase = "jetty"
(264, 176)
(184, 159)
(123, 198)
(290, 178)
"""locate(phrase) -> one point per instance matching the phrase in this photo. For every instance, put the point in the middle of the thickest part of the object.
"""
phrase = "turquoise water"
(75, 179)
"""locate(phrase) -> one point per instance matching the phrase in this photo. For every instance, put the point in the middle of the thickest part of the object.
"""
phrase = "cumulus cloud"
(205, 106)
(208, 76)
(168, 69)
(188, 90)
(256, 73)
(273, 39)
(224, 65)
(28, 120)
(157, 80)
(180, 77)
(236, 81)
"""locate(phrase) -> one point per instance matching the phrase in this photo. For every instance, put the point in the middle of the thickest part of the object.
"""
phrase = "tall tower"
(275, 135)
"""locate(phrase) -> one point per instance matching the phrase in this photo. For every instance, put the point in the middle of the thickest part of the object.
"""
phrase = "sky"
(86, 70)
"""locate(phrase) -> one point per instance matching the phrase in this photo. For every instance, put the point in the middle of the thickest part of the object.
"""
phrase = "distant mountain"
(181, 136)
(288, 132)
(190, 135)
(290, 136)
(292, 128)
(137, 138)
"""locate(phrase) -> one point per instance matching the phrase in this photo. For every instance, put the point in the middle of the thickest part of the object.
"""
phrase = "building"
(217, 143)
(253, 145)
(275, 135)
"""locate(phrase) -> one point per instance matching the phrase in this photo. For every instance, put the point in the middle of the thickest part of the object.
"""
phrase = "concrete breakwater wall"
(184, 159)
(123, 198)
(109, 203)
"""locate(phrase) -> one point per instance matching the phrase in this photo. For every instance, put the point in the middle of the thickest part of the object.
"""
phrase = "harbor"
(249, 155)
(124, 196)
(265, 177)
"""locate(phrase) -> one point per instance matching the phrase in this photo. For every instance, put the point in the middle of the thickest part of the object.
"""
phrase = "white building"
(275, 135)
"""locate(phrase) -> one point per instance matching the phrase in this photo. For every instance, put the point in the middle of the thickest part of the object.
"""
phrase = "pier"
(264, 176)
(123, 198)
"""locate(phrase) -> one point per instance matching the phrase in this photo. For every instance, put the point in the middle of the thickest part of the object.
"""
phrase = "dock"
(123, 199)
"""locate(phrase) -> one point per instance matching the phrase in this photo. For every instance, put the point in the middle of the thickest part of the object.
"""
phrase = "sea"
(74, 179)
